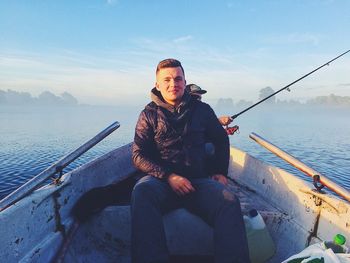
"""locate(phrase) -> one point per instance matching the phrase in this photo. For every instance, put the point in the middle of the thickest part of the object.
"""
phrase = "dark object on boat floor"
(96, 199)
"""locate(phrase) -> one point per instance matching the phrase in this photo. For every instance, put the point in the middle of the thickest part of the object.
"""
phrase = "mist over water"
(32, 138)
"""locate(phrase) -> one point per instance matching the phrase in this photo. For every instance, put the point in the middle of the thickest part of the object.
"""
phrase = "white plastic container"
(260, 243)
(255, 219)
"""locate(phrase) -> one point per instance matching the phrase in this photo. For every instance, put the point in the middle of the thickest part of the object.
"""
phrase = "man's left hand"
(225, 120)
(220, 178)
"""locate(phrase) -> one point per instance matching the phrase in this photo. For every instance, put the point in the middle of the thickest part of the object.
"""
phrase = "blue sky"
(105, 52)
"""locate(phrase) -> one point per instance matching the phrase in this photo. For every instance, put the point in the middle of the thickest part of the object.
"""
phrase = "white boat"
(40, 228)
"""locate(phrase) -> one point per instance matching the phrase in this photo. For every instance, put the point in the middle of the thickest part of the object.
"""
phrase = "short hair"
(169, 63)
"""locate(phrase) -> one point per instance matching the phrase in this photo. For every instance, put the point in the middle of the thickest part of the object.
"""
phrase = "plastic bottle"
(337, 245)
(256, 220)
(261, 246)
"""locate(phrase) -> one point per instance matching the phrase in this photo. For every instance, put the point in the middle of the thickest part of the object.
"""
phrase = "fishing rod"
(287, 87)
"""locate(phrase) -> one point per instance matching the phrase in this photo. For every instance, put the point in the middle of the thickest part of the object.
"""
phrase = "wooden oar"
(301, 166)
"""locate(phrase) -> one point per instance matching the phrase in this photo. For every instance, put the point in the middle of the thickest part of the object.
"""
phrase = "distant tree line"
(330, 100)
(46, 98)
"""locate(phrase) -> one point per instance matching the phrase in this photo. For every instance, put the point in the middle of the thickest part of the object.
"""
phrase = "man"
(169, 146)
(197, 92)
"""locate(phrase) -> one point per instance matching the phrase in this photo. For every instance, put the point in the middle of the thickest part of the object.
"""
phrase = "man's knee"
(223, 194)
(142, 190)
(228, 196)
(147, 189)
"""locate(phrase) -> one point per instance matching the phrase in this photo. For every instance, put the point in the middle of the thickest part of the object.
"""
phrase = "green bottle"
(337, 245)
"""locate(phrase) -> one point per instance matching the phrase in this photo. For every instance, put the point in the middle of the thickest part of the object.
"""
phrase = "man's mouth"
(174, 91)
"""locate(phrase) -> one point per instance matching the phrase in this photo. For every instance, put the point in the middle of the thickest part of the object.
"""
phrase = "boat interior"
(105, 237)
(295, 215)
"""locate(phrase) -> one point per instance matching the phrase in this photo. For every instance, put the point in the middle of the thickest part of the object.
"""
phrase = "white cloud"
(82, 76)
(183, 39)
(124, 76)
(293, 38)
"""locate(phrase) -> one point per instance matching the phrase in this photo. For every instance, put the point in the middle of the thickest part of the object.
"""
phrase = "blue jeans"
(152, 198)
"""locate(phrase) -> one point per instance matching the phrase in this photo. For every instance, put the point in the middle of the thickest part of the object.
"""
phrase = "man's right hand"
(180, 185)
(225, 120)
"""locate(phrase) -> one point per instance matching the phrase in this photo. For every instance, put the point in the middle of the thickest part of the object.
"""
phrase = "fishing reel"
(232, 130)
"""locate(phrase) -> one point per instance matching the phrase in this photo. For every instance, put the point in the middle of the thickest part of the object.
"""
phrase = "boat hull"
(34, 229)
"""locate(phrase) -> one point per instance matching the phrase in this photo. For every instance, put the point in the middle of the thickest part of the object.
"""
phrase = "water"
(32, 138)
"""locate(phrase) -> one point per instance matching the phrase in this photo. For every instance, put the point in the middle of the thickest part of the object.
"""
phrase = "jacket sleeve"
(144, 153)
(218, 136)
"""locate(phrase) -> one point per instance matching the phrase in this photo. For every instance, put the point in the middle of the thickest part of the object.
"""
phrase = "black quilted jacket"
(172, 140)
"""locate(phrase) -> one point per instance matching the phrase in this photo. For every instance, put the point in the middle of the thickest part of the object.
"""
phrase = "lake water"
(33, 138)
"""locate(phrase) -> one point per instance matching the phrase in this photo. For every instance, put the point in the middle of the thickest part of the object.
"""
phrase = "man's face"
(171, 84)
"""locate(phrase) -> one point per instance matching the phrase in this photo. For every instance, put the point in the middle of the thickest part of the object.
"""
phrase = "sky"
(105, 52)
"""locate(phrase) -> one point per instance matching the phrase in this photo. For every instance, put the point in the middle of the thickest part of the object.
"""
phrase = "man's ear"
(157, 86)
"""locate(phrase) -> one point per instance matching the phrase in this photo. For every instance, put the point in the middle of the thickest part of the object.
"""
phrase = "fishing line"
(287, 87)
